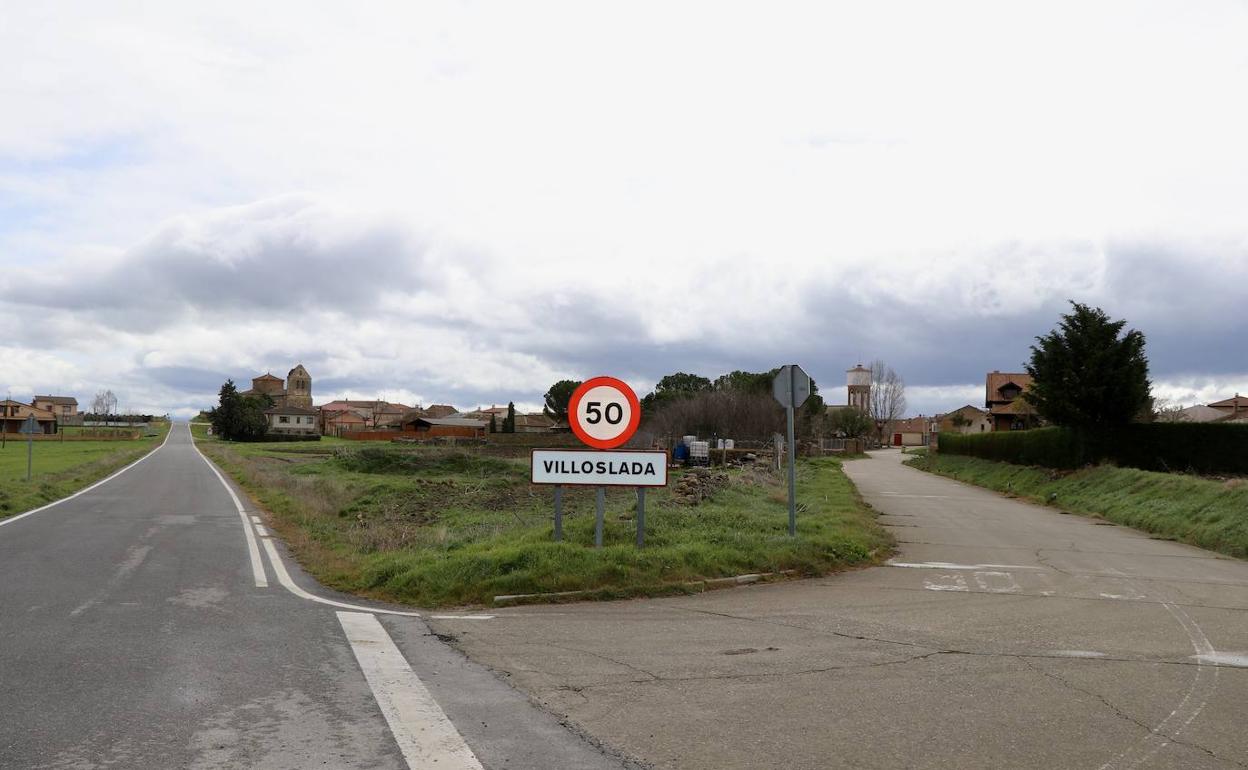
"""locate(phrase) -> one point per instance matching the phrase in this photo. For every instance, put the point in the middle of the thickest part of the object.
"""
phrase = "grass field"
(61, 469)
(1203, 512)
(439, 527)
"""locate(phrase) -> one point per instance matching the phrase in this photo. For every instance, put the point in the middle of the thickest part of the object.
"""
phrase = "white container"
(729, 444)
(700, 449)
(719, 444)
(688, 440)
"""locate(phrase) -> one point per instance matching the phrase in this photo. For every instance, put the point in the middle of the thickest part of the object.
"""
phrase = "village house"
(290, 420)
(1004, 402)
(61, 406)
(1234, 408)
(458, 427)
(966, 419)
(14, 413)
(341, 415)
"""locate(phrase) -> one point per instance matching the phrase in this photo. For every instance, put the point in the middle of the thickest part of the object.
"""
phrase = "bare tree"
(888, 396)
(1167, 411)
(104, 403)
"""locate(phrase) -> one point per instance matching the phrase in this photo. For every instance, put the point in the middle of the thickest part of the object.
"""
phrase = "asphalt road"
(1003, 635)
(133, 634)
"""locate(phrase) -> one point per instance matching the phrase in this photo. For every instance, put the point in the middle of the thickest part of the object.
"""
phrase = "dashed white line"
(424, 733)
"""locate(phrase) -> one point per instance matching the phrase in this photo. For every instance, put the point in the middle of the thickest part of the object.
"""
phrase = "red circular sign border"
(575, 401)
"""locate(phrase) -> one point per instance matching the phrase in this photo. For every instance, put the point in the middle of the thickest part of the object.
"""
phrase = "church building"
(295, 392)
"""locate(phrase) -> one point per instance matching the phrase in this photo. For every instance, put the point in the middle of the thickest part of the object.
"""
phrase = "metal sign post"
(29, 427)
(791, 388)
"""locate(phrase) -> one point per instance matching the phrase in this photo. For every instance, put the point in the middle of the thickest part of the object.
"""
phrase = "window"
(283, 418)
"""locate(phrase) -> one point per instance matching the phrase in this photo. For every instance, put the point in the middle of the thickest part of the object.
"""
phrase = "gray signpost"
(29, 427)
(791, 388)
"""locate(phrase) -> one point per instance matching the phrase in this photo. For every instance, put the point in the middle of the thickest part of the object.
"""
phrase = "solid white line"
(283, 577)
(253, 553)
(256, 520)
(424, 733)
(275, 560)
(85, 490)
(461, 617)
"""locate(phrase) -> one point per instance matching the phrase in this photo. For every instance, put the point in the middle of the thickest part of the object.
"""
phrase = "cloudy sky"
(463, 202)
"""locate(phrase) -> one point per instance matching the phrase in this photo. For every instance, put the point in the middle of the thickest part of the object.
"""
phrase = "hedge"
(1207, 448)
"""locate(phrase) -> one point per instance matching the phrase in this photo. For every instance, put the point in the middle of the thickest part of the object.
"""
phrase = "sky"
(465, 202)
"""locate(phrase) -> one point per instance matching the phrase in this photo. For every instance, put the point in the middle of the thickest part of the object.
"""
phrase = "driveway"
(1003, 634)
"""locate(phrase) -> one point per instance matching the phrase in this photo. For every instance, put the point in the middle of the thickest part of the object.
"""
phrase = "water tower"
(859, 381)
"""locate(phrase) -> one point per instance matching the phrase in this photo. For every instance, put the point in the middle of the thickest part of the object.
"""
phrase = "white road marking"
(461, 617)
(1193, 702)
(948, 565)
(85, 490)
(261, 531)
(424, 733)
(256, 520)
(283, 577)
(996, 582)
(947, 583)
(253, 552)
(1077, 654)
(1238, 660)
(275, 560)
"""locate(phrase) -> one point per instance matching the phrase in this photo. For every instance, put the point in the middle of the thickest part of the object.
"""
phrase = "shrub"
(1207, 448)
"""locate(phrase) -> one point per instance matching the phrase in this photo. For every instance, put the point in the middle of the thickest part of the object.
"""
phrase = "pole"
(558, 513)
(30, 453)
(788, 415)
(600, 507)
(641, 516)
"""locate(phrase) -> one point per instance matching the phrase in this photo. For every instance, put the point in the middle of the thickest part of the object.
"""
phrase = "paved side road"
(137, 631)
(1003, 635)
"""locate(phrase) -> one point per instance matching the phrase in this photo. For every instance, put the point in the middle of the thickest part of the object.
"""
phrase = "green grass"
(62, 468)
(1208, 513)
(442, 527)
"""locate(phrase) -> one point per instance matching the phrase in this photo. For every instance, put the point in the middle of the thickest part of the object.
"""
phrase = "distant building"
(376, 414)
(14, 413)
(295, 391)
(61, 406)
(292, 421)
(1200, 413)
(966, 419)
(448, 426)
(438, 411)
(858, 391)
(1232, 408)
(1003, 399)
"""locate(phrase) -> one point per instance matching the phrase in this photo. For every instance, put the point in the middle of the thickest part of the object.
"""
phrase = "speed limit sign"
(604, 412)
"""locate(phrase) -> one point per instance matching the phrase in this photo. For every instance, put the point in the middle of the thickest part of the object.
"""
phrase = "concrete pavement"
(136, 631)
(1003, 635)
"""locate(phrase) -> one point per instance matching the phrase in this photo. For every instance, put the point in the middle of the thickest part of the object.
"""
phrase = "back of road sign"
(29, 425)
(791, 386)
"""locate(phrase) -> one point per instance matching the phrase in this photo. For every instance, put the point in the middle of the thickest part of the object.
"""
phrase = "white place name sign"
(617, 468)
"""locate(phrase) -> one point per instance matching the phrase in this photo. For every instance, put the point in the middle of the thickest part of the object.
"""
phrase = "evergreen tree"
(557, 398)
(1087, 374)
(509, 422)
(493, 423)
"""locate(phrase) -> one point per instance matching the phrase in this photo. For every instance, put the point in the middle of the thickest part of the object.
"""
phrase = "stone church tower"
(299, 387)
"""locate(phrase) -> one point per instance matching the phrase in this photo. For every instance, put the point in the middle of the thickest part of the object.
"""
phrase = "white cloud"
(471, 200)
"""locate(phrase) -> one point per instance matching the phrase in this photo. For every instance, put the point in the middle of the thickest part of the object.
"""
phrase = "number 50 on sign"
(604, 412)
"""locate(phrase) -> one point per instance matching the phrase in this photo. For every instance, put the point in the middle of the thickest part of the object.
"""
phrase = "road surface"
(1003, 635)
(150, 623)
